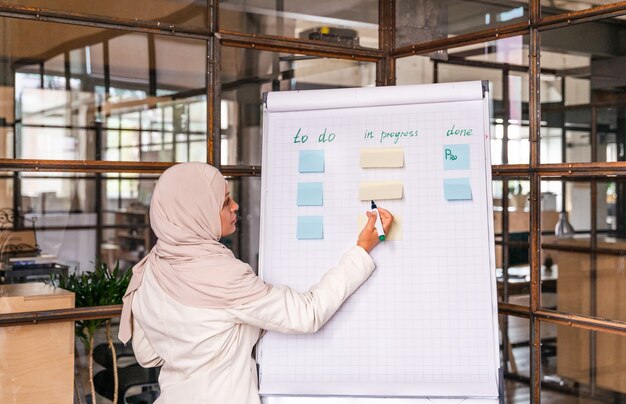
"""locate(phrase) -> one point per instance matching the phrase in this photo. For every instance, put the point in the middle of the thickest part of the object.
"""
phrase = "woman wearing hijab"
(197, 311)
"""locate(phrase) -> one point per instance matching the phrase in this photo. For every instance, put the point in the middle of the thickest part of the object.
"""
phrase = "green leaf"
(100, 287)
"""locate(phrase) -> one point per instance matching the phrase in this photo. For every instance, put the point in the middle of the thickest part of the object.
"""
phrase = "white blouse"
(205, 354)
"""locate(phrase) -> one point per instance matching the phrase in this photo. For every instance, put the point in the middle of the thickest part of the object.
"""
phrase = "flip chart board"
(425, 323)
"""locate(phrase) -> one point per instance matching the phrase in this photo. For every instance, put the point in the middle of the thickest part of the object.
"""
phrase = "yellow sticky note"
(379, 190)
(395, 233)
(382, 157)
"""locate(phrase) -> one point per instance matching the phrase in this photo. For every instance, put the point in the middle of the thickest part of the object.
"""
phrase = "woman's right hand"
(368, 238)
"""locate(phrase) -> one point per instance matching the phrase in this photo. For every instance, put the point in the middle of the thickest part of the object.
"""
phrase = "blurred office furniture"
(32, 272)
(17, 235)
(519, 280)
(599, 294)
(519, 222)
(132, 239)
(36, 360)
(61, 236)
(20, 255)
(519, 293)
(518, 271)
(136, 384)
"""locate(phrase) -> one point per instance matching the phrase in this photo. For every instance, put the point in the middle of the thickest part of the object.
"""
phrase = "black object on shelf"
(342, 36)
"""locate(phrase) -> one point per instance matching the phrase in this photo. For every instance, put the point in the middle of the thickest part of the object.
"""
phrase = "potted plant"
(100, 287)
(516, 196)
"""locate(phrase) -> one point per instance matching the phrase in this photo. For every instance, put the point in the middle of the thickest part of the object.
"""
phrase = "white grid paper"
(423, 324)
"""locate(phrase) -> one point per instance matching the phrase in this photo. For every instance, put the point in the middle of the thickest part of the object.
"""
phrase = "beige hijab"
(188, 261)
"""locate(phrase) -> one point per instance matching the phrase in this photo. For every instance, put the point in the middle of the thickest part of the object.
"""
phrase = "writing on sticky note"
(382, 157)
(457, 189)
(376, 190)
(310, 194)
(311, 161)
(456, 157)
(310, 228)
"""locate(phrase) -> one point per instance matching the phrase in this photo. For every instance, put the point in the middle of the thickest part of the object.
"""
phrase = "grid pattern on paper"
(423, 324)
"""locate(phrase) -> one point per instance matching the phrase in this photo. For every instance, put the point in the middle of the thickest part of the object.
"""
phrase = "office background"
(98, 98)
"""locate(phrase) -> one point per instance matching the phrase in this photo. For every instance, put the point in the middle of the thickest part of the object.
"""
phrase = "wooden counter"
(519, 220)
(574, 295)
(36, 361)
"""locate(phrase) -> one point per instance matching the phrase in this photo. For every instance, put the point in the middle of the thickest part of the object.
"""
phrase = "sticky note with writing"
(456, 157)
(311, 161)
(310, 228)
(310, 194)
(457, 189)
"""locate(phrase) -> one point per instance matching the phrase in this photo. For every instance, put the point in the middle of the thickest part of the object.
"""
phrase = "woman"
(194, 309)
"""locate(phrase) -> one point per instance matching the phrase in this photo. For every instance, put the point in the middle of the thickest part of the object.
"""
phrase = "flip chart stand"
(425, 323)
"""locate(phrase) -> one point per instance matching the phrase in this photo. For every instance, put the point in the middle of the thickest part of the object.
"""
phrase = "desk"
(519, 280)
(36, 360)
(30, 274)
(575, 295)
(519, 293)
(519, 221)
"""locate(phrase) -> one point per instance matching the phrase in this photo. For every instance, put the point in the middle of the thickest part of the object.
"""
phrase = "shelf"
(130, 248)
(130, 236)
(127, 256)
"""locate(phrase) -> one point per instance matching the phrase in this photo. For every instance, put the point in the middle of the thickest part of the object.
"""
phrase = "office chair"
(137, 385)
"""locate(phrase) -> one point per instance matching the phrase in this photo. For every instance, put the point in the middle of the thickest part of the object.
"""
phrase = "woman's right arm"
(286, 310)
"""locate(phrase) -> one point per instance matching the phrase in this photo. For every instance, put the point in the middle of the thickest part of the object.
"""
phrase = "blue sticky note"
(457, 189)
(456, 157)
(310, 194)
(311, 161)
(310, 228)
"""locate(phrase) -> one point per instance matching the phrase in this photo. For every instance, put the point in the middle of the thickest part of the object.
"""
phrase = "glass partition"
(572, 290)
(427, 20)
(504, 63)
(53, 223)
(583, 366)
(247, 74)
(552, 7)
(351, 23)
(583, 280)
(582, 100)
(143, 94)
(186, 13)
(127, 236)
(515, 344)
(77, 91)
(516, 264)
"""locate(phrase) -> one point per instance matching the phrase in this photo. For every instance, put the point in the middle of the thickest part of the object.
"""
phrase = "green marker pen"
(379, 223)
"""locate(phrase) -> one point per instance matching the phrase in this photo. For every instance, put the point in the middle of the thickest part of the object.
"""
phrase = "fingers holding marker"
(368, 238)
(387, 219)
(370, 234)
(371, 221)
(379, 224)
